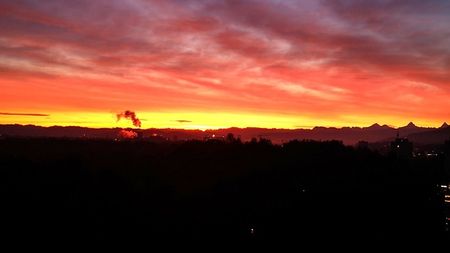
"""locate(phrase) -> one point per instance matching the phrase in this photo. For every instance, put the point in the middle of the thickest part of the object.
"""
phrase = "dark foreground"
(64, 190)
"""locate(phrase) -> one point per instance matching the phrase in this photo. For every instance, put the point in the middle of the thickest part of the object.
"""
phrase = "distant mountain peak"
(445, 125)
(378, 126)
(411, 125)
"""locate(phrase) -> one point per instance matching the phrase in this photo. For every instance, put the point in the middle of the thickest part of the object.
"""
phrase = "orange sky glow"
(215, 64)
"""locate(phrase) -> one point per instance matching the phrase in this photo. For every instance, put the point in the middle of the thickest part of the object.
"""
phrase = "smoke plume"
(131, 116)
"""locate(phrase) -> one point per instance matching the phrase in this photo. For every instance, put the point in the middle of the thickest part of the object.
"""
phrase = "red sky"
(219, 63)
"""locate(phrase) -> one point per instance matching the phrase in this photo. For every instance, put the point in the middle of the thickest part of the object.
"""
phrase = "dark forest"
(218, 190)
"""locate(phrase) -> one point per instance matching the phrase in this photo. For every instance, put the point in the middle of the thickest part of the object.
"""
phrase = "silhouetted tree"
(215, 190)
(230, 138)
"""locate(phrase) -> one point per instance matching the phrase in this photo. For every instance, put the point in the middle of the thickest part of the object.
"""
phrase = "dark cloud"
(389, 35)
(183, 121)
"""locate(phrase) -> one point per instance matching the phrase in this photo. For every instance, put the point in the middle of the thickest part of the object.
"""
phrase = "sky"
(222, 63)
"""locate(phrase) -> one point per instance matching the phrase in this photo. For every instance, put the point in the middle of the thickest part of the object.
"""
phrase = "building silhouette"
(402, 147)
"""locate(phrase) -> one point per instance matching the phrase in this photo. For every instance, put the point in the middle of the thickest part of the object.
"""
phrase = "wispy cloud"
(24, 114)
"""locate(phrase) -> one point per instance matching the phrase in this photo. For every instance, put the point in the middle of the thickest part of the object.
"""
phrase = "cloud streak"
(24, 114)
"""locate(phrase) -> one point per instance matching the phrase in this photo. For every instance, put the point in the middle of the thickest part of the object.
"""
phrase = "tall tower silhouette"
(402, 147)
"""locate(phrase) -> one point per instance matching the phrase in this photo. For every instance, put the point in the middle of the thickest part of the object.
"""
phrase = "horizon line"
(219, 128)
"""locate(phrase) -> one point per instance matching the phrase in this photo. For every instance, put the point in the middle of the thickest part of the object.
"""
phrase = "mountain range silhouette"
(349, 135)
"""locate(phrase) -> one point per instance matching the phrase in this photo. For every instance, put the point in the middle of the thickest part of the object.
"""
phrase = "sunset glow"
(216, 64)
